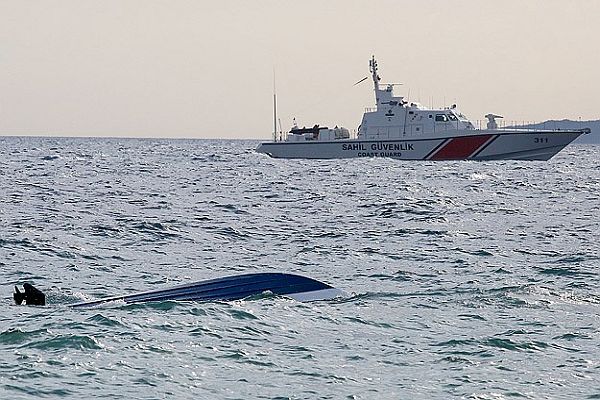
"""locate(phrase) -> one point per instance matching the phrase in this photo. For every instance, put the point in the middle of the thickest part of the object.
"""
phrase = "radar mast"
(373, 69)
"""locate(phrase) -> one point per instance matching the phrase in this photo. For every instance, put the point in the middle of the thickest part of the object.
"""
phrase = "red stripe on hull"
(460, 148)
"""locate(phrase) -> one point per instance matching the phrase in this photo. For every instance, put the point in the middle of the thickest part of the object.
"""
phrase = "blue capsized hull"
(233, 288)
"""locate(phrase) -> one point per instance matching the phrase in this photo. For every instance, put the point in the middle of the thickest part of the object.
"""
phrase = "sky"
(206, 69)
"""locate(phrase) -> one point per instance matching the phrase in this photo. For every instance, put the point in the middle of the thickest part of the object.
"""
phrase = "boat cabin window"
(441, 118)
(452, 117)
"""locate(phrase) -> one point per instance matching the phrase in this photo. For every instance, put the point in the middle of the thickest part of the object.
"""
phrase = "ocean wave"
(65, 341)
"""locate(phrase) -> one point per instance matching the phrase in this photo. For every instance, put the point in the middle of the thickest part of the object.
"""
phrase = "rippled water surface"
(468, 279)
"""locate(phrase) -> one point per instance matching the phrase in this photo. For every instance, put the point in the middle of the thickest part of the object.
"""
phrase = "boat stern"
(263, 148)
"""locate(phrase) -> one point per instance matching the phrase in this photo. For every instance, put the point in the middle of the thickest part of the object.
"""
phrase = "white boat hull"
(482, 145)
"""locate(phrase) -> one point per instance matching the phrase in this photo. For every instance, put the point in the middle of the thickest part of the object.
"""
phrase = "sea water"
(474, 280)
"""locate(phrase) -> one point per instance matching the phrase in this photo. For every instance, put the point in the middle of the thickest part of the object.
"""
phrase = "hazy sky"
(205, 68)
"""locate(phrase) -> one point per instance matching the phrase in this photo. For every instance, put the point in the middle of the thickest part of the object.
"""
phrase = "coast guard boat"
(410, 131)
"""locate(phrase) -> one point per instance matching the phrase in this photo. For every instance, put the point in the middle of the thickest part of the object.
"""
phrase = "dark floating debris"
(229, 288)
(31, 295)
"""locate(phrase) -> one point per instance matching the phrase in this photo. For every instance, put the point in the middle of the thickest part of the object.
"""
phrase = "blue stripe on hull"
(227, 288)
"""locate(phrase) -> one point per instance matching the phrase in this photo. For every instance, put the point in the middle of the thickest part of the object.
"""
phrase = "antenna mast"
(274, 109)
(274, 117)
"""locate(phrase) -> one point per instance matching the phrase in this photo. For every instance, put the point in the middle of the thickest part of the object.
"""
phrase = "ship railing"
(524, 125)
(283, 136)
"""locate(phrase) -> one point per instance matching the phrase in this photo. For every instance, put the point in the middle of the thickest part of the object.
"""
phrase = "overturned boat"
(229, 288)
(410, 131)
